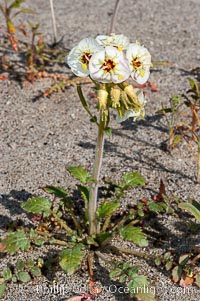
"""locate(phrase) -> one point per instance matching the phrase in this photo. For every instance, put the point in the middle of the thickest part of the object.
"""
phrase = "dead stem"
(131, 252)
(112, 25)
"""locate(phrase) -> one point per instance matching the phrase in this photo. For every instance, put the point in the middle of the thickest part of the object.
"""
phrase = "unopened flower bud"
(102, 96)
(115, 96)
(129, 90)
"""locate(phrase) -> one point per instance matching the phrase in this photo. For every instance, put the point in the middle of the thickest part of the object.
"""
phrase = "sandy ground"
(39, 138)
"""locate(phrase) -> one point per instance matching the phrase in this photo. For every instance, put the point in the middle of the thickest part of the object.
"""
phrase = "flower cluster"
(112, 60)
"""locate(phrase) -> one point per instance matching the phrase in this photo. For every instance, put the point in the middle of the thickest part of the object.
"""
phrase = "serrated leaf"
(30, 263)
(37, 205)
(2, 289)
(35, 271)
(40, 241)
(56, 190)
(15, 241)
(134, 179)
(102, 237)
(168, 265)
(122, 278)
(71, 258)
(157, 261)
(192, 209)
(138, 281)
(115, 273)
(156, 206)
(23, 276)
(183, 259)
(135, 235)
(107, 208)
(167, 255)
(80, 174)
(20, 265)
(14, 279)
(7, 274)
(133, 272)
(176, 273)
(84, 192)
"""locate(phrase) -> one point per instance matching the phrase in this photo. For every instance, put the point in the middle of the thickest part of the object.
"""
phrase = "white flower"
(109, 66)
(140, 61)
(119, 41)
(134, 113)
(79, 57)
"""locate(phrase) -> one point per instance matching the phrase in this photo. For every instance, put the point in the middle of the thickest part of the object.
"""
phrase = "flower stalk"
(92, 206)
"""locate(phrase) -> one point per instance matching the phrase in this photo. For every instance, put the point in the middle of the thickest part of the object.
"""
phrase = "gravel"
(39, 138)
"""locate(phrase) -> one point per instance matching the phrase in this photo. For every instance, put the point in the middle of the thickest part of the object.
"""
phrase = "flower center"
(136, 63)
(86, 57)
(108, 65)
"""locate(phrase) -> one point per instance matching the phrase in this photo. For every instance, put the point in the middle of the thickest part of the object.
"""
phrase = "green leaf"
(134, 179)
(30, 263)
(177, 139)
(107, 208)
(71, 258)
(138, 281)
(156, 206)
(20, 265)
(14, 279)
(108, 132)
(183, 259)
(167, 256)
(157, 261)
(122, 278)
(23, 276)
(80, 174)
(102, 237)
(192, 83)
(37, 205)
(35, 271)
(56, 190)
(176, 273)
(168, 265)
(84, 192)
(2, 289)
(192, 209)
(135, 235)
(115, 273)
(15, 241)
(7, 274)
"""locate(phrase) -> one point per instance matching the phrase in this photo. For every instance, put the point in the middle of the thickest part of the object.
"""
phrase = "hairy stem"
(112, 25)
(92, 206)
